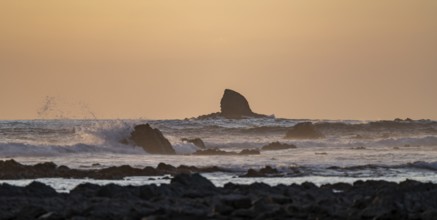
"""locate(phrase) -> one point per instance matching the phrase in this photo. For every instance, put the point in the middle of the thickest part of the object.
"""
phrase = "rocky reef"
(191, 196)
(10, 169)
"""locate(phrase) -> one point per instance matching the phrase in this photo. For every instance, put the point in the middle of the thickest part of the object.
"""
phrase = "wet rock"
(196, 141)
(267, 171)
(10, 169)
(213, 151)
(304, 130)
(278, 146)
(151, 140)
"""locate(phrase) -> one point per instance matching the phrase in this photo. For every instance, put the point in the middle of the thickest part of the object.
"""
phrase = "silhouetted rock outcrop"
(233, 105)
(10, 169)
(304, 130)
(151, 140)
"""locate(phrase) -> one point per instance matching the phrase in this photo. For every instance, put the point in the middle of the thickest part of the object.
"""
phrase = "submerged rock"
(278, 146)
(304, 130)
(233, 105)
(196, 141)
(151, 140)
(216, 151)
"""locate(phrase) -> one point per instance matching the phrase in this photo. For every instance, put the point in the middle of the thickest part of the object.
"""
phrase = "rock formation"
(278, 146)
(151, 140)
(196, 141)
(304, 130)
(192, 196)
(233, 105)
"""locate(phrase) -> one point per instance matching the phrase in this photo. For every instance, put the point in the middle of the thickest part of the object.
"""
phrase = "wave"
(421, 165)
(19, 149)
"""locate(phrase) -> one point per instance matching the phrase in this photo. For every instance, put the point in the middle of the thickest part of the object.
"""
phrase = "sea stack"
(151, 140)
(233, 105)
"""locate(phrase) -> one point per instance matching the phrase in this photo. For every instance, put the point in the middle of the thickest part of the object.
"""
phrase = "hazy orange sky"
(173, 59)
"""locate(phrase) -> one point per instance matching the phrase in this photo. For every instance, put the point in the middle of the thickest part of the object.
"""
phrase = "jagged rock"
(233, 105)
(8, 170)
(151, 140)
(304, 130)
(267, 171)
(196, 141)
(195, 197)
(193, 181)
(278, 146)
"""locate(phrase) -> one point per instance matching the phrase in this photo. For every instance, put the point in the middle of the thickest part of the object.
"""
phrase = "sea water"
(339, 157)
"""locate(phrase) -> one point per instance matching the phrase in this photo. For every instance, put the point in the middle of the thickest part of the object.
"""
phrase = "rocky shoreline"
(191, 196)
(10, 169)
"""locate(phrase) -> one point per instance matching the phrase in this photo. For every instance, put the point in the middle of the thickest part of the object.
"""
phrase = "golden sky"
(338, 59)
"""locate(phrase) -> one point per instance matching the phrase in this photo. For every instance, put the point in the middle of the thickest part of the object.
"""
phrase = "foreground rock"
(10, 169)
(194, 197)
(304, 130)
(151, 140)
(233, 105)
(278, 146)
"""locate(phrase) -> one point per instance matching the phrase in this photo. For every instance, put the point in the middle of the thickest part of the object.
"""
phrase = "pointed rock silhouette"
(233, 105)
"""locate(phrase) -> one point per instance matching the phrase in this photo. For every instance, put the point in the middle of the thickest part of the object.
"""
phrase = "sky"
(167, 59)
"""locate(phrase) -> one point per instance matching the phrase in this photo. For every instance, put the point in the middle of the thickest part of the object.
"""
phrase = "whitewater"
(351, 150)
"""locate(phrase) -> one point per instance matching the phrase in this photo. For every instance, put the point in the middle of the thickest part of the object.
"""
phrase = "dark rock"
(304, 130)
(237, 201)
(233, 105)
(40, 190)
(249, 152)
(267, 171)
(151, 140)
(215, 151)
(196, 141)
(192, 181)
(278, 146)
(30, 212)
(165, 167)
(191, 196)
(12, 170)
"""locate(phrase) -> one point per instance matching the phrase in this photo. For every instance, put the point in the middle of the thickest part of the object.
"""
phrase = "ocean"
(351, 149)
